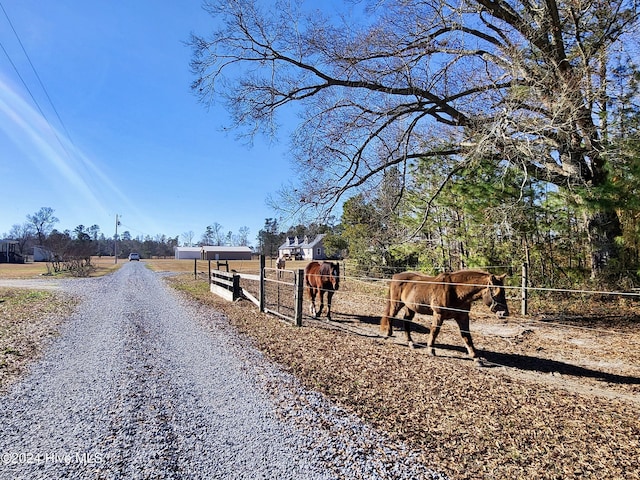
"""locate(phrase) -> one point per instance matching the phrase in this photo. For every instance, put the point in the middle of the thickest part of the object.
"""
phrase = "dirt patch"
(35, 284)
(555, 400)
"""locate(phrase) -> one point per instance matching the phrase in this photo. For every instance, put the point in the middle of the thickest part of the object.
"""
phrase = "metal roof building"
(213, 253)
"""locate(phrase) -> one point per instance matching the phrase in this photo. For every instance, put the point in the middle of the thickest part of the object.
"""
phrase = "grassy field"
(102, 266)
(106, 265)
(241, 266)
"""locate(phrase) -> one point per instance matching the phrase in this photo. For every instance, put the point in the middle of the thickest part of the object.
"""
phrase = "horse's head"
(494, 296)
(329, 273)
(335, 275)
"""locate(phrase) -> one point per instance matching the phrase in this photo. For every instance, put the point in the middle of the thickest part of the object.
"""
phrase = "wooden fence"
(226, 285)
(274, 291)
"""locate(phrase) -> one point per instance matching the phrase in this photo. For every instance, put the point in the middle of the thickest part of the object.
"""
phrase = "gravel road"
(142, 383)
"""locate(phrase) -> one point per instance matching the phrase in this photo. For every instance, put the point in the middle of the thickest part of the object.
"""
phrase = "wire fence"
(606, 322)
(555, 304)
(281, 286)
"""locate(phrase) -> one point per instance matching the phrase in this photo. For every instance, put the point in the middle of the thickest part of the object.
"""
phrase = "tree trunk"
(603, 227)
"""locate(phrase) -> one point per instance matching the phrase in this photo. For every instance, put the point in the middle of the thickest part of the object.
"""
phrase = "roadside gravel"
(142, 383)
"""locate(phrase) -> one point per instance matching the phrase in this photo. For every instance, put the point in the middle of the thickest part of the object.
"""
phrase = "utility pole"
(115, 240)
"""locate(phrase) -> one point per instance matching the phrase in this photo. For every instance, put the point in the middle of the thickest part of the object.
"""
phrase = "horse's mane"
(460, 276)
(326, 268)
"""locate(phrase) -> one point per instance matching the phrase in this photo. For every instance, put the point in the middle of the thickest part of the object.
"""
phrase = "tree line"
(454, 134)
(82, 243)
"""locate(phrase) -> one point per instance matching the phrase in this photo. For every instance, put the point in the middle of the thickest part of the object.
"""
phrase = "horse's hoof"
(412, 345)
(478, 362)
(432, 352)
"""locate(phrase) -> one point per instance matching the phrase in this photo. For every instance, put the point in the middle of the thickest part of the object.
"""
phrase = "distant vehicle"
(134, 256)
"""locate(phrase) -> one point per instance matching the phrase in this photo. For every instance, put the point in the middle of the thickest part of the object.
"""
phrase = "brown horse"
(320, 278)
(447, 296)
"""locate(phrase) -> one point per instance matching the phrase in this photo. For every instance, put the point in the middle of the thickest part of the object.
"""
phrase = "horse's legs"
(406, 322)
(312, 307)
(329, 295)
(391, 310)
(463, 325)
(321, 295)
(386, 326)
(436, 323)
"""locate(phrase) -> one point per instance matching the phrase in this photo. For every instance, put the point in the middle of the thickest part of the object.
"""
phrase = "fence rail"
(226, 285)
(278, 291)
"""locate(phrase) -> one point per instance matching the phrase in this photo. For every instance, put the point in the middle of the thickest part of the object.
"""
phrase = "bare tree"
(217, 234)
(23, 234)
(520, 82)
(243, 237)
(187, 238)
(43, 221)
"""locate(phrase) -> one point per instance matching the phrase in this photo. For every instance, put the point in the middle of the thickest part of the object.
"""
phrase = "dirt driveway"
(143, 383)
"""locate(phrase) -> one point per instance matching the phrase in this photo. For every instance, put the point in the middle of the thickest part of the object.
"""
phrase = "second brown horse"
(320, 278)
(446, 296)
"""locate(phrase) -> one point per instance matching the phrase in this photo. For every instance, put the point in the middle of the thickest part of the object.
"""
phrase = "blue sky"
(133, 141)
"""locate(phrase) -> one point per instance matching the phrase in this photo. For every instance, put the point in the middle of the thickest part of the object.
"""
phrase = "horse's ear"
(502, 277)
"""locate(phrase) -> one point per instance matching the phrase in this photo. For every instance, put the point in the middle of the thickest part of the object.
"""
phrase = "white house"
(294, 248)
(213, 253)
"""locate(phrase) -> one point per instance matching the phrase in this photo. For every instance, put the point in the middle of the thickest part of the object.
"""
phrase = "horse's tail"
(384, 321)
(307, 282)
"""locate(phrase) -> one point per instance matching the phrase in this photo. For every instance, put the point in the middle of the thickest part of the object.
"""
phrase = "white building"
(213, 253)
(294, 248)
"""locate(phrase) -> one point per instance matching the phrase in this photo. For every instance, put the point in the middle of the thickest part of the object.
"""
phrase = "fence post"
(195, 269)
(236, 287)
(299, 295)
(262, 281)
(524, 303)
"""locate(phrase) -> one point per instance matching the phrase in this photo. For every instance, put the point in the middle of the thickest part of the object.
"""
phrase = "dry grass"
(102, 266)
(28, 320)
(202, 266)
(27, 270)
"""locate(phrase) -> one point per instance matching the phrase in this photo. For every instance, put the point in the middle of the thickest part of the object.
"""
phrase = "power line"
(15, 68)
(36, 74)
